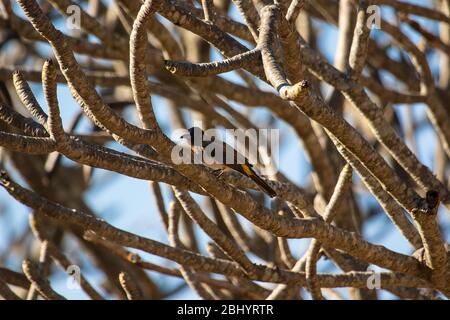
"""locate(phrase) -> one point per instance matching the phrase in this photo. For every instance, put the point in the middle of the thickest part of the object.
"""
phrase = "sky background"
(127, 203)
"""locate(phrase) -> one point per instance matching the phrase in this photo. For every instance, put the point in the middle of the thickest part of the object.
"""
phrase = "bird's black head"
(195, 136)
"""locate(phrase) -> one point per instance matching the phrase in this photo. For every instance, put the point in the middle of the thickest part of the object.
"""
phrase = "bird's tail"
(260, 182)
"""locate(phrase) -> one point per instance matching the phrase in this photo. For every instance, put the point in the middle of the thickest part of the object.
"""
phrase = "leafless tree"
(114, 56)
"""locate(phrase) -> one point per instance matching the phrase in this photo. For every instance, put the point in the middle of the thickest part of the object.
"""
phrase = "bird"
(199, 141)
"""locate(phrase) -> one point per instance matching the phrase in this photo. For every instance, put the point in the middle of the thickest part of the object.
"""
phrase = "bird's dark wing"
(248, 171)
(240, 164)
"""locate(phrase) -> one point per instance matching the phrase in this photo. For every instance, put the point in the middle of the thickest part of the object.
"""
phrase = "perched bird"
(199, 141)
